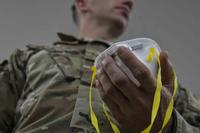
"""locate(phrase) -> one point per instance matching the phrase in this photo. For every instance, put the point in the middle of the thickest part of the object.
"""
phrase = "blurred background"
(174, 24)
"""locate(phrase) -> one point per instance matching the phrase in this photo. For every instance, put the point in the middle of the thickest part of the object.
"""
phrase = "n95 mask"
(140, 47)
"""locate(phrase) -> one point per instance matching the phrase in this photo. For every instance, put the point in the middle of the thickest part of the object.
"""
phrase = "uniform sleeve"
(187, 112)
(12, 79)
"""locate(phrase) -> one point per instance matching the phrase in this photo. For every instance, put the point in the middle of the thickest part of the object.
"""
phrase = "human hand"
(130, 105)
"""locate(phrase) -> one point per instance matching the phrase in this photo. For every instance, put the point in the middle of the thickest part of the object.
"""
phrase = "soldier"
(46, 88)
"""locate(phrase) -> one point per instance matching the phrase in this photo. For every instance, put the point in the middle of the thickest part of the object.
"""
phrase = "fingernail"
(104, 62)
(96, 82)
(99, 70)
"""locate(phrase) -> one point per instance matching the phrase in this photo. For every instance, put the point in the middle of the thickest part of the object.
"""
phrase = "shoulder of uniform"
(71, 40)
(38, 47)
(65, 39)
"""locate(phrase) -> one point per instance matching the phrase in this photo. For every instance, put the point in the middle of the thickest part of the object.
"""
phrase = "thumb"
(167, 73)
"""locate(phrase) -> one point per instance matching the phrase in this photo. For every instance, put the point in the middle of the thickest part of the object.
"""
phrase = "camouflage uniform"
(45, 89)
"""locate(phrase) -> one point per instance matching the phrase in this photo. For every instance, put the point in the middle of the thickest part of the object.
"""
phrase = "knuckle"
(141, 72)
(101, 92)
(119, 80)
(107, 93)
(105, 97)
(166, 96)
(107, 62)
(109, 90)
(119, 118)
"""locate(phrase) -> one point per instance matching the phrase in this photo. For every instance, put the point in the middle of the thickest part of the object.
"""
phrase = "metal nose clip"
(136, 47)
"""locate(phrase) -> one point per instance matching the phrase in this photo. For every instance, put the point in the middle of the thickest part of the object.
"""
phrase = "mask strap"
(113, 125)
(94, 119)
(157, 94)
(171, 104)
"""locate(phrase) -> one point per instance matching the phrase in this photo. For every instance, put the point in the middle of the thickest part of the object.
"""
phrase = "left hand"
(130, 105)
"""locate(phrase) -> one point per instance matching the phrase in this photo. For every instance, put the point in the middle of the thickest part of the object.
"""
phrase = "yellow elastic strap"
(157, 95)
(113, 125)
(92, 114)
(94, 119)
(171, 104)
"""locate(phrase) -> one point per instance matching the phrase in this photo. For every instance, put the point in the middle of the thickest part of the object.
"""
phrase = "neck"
(99, 30)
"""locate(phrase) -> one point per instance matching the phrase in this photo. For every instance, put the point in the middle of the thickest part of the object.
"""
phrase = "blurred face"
(111, 11)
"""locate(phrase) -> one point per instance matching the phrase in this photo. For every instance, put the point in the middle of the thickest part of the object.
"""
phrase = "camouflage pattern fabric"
(45, 89)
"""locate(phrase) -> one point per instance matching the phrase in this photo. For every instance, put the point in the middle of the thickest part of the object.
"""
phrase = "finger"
(108, 101)
(139, 70)
(118, 78)
(110, 91)
(167, 73)
(114, 109)
(99, 87)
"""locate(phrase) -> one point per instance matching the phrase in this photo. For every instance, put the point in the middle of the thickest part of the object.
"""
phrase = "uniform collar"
(73, 40)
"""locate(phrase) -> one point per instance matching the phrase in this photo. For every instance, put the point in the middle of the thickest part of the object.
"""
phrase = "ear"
(82, 5)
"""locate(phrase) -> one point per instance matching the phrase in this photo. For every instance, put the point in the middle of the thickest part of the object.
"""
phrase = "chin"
(119, 25)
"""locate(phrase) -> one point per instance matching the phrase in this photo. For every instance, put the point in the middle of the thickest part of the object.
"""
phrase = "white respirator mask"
(140, 48)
